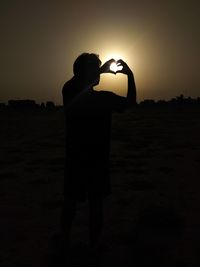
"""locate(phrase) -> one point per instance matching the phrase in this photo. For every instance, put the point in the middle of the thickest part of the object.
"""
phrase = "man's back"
(88, 122)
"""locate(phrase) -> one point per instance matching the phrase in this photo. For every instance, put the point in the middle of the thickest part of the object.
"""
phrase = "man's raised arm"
(131, 94)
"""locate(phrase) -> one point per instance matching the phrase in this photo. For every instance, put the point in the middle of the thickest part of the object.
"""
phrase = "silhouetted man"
(88, 115)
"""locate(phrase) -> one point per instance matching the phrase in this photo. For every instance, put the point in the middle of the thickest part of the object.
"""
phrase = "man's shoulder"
(68, 91)
(68, 85)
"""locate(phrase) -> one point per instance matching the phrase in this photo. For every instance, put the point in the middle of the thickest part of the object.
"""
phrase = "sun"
(116, 56)
(115, 67)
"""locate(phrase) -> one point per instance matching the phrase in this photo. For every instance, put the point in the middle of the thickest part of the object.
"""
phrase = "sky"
(40, 39)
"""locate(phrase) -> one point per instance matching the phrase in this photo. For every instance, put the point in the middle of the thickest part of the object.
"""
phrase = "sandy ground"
(152, 217)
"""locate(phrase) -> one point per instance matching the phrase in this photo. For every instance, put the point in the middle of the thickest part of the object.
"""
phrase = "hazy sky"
(40, 39)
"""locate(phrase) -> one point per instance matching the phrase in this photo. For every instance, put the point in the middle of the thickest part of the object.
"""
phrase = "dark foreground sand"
(152, 217)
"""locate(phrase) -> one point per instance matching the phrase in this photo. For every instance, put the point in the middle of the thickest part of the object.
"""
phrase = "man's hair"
(85, 62)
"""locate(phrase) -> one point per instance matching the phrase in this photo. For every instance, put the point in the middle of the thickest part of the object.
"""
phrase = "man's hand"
(125, 69)
(106, 67)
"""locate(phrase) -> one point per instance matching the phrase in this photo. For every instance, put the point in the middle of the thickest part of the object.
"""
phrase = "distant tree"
(162, 103)
(179, 99)
(148, 102)
(42, 106)
(174, 102)
(50, 105)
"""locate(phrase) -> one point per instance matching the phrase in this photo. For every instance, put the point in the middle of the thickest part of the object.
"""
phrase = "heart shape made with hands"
(115, 67)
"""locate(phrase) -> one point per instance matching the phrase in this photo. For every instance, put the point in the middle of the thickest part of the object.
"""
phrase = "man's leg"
(95, 219)
(67, 217)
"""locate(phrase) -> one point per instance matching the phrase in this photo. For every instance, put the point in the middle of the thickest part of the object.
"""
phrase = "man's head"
(87, 68)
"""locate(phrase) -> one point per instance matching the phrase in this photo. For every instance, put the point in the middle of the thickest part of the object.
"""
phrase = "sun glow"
(115, 56)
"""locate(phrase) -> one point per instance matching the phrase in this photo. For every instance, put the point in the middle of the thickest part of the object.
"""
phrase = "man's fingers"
(118, 71)
(111, 60)
(112, 72)
(105, 68)
(107, 71)
(107, 63)
(121, 62)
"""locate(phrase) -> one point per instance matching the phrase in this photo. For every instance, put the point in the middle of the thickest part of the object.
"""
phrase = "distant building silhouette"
(178, 101)
(22, 104)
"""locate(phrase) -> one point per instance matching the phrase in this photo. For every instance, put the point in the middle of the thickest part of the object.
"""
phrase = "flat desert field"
(152, 216)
